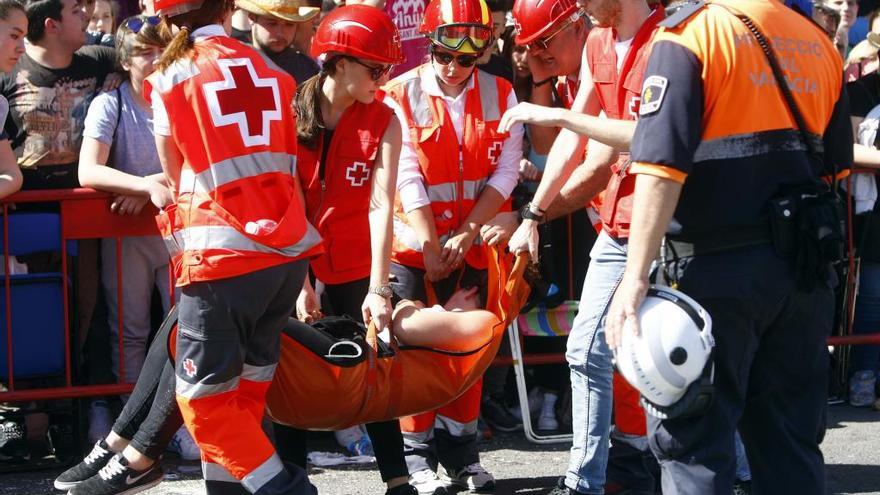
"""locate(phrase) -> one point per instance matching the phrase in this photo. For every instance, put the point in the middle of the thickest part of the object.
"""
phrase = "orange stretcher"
(336, 373)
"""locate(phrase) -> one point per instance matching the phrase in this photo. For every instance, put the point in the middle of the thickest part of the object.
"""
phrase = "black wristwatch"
(526, 213)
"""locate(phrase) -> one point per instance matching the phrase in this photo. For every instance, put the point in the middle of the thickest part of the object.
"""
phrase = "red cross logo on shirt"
(634, 104)
(495, 153)
(190, 367)
(358, 174)
(244, 99)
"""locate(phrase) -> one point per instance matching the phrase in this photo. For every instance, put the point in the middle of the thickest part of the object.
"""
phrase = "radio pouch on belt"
(807, 221)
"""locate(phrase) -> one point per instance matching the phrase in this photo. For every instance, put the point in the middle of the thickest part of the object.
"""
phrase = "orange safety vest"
(237, 210)
(620, 95)
(337, 192)
(455, 174)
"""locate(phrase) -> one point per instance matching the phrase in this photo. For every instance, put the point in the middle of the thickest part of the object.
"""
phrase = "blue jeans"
(590, 361)
(867, 319)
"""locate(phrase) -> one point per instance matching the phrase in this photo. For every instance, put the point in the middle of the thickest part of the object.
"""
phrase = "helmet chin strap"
(695, 401)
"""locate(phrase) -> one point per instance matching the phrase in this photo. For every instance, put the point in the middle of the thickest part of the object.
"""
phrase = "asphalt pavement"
(851, 447)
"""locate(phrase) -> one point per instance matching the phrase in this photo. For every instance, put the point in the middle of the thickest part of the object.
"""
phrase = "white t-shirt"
(622, 47)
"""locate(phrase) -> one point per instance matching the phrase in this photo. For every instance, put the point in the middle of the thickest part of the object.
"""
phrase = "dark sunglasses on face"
(136, 23)
(376, 73)
(444, 58)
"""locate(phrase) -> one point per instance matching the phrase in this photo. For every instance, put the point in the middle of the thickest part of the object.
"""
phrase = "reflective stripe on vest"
(176, 73)
(448, 191)
(420, 104)
(202, 237)
(239, 167)
(404, 234)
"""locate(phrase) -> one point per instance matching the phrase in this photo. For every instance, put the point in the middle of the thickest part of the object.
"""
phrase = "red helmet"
(459, 25)
(360, 31)
(533, 18)
(175, 7)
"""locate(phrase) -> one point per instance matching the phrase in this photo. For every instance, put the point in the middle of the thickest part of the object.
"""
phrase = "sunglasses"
(454, 36)
(544, 43)
(136, 23)
(444, 58)
(376, 73)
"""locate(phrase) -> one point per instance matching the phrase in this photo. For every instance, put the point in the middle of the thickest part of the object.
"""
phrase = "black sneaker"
(496, 415)
(116, 478)
(87, 468)
(13, 442)
(561, 489)
(742, 487)
(405, 489)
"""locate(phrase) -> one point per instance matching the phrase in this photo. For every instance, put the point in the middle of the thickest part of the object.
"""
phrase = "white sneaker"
(427, 482)
(536, 400)
(184, 445)
(100, 421)
(547, 420)
(472, 477)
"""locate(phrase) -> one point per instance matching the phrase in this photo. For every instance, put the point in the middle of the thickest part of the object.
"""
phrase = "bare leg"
(116, 443)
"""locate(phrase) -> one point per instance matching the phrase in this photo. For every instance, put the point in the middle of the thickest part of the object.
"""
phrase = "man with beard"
(274, 25)
(610, 82)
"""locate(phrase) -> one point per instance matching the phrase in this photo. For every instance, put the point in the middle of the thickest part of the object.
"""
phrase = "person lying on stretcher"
(151, 415)
(456, 326)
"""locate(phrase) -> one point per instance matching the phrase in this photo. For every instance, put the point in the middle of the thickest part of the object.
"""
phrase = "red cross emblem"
(244, 99)
(495, 153)
(190, 367)
(517, 28)
(634, 105)
(358, 174)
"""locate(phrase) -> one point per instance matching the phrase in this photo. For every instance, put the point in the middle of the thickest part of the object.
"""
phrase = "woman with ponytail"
(238, 237)
(349, 144)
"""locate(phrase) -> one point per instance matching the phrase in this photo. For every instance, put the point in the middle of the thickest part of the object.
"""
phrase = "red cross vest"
(619, 95)
(455, 174)
(238, 209)
(338, 204)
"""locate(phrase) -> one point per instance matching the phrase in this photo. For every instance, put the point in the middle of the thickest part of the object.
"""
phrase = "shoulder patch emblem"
(653, 91)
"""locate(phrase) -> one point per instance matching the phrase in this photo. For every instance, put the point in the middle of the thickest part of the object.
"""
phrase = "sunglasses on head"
(136, 23)
(544, 43)
(375, 72)
(444, 58)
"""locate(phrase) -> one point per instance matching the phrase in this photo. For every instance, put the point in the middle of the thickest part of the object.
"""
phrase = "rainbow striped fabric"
(543, 322)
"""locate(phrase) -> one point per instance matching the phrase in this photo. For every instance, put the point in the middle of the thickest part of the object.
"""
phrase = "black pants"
(346, 299)
(771, 371)
(151, 417)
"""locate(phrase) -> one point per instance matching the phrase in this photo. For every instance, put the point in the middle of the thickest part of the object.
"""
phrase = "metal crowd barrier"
(81, 214)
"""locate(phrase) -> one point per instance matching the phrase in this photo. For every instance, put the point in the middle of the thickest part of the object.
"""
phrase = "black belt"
(685, 246)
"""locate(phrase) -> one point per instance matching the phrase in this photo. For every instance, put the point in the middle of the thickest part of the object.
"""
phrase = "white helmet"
(670, 353)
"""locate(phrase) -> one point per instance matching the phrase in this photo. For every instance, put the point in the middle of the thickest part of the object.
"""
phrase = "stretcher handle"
(373, 335)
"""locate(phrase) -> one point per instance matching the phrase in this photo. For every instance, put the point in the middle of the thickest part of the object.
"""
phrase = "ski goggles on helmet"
(462, 37)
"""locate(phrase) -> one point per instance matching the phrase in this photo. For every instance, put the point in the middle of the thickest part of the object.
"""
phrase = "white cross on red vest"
(495, 153)
(244, 99)
(357, 174)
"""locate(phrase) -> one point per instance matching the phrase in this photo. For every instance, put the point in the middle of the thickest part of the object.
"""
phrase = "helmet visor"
(463, 37)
